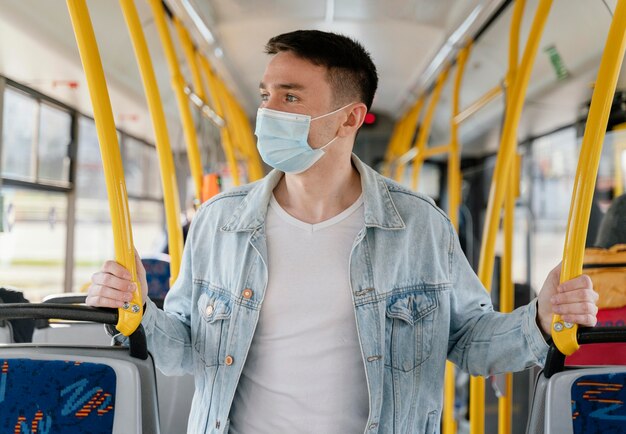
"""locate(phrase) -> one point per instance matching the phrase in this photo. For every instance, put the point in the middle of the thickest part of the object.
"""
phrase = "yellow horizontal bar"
(481, 102)
(435, 150)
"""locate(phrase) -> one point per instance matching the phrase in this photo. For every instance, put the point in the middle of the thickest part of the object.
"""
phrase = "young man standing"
(326, 298)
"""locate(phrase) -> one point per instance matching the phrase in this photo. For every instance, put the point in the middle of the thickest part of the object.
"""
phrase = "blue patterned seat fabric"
(56, 397)
(598, 404)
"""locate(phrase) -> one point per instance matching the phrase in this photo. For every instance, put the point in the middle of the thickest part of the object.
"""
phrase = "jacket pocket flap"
(412, 307)
(213, 307)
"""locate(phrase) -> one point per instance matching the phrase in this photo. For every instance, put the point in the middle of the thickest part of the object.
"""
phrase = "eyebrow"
(288, 86)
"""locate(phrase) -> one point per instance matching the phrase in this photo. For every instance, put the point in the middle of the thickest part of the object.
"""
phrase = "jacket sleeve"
(168, 331)
(484, 342)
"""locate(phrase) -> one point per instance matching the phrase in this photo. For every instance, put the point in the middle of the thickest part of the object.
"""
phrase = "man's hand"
(112, 285)
(575, 300)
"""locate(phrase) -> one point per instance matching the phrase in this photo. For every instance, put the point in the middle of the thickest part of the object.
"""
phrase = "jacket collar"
(380, 210)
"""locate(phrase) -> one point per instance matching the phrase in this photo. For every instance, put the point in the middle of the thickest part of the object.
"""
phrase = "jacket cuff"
(534, 335)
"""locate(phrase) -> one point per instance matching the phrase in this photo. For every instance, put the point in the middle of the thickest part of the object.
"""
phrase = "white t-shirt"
(304, 372)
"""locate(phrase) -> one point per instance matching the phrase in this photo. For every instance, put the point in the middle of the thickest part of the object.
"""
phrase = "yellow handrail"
(178, 86)
(406, 136)
(424, 132)
(218, 105)
(255, 168)
(481, 102)
(190, 55)
(130, 315)
(564, 334)
(619, 145)
(507, 288)
(499, 181)
(391, 146)
(454, 200)
(159, 126)
(402, 145)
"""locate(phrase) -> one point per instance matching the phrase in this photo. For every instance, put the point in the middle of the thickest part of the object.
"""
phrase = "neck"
(321, 192)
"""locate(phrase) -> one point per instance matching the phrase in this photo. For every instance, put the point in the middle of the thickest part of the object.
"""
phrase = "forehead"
(287, 69)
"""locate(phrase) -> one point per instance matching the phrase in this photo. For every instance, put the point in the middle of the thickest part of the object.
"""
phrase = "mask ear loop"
(323, 147)
(332, 113)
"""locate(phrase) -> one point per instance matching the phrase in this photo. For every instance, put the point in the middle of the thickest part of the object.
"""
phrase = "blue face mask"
(282, 140)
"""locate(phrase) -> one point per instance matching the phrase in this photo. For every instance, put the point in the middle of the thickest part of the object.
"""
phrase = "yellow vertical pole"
(218, 105)
(390, 151)
(407, 133)
(424, 132)
(504, 160)
(564, 334)
(178, 86)
(255, 168)
(162, 140)
(130, 315)
(619, 146)
(234, 129)
(507, 289)
(190, 55)
(454, 200)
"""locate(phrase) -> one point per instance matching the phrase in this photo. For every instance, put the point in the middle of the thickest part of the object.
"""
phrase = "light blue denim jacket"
(416, 302)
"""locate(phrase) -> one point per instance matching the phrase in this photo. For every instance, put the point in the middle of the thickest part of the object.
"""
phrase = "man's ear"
(355, 119)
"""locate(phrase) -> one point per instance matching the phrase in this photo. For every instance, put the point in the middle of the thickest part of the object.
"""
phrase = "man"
(326, 298)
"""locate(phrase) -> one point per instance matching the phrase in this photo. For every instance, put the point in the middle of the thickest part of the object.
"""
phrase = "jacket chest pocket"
(409, 329)
(212, 328)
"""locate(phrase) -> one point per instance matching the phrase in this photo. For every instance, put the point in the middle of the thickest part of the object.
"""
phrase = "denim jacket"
(416, 303)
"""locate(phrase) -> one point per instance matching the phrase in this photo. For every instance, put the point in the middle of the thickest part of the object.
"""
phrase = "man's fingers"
(582, 281)
(585, 295)
(582, 308)
(101, 301)
(112, 281)
(116, 269)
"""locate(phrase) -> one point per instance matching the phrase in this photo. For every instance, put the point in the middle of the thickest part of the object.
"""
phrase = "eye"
(291, 98)
(264, 97)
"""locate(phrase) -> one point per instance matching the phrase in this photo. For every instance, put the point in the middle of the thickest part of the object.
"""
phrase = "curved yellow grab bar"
(218, 106)
(424, 132)
(454, 200)
(406, 136)
(507, 289)
(130, 315)
(190, 54)
(178, 86)
(564, 334)
(505, 157)
(159, 125)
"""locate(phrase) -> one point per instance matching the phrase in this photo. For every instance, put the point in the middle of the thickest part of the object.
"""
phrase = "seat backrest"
(580, 401)
(78, 390)
(60, 333)
(537, 407)
(158, 276)
(174, 392)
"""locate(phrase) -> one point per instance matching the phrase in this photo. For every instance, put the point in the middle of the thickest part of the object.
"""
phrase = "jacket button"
(247, 293)
(209, 310)
(228, 360)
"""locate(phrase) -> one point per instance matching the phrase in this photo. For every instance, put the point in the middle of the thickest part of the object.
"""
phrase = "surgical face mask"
(282, 139)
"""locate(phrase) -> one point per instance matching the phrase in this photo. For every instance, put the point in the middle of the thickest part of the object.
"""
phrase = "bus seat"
(78, 390)
(581, 399)
(57, 388)
(158, 277)
(175, 392)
